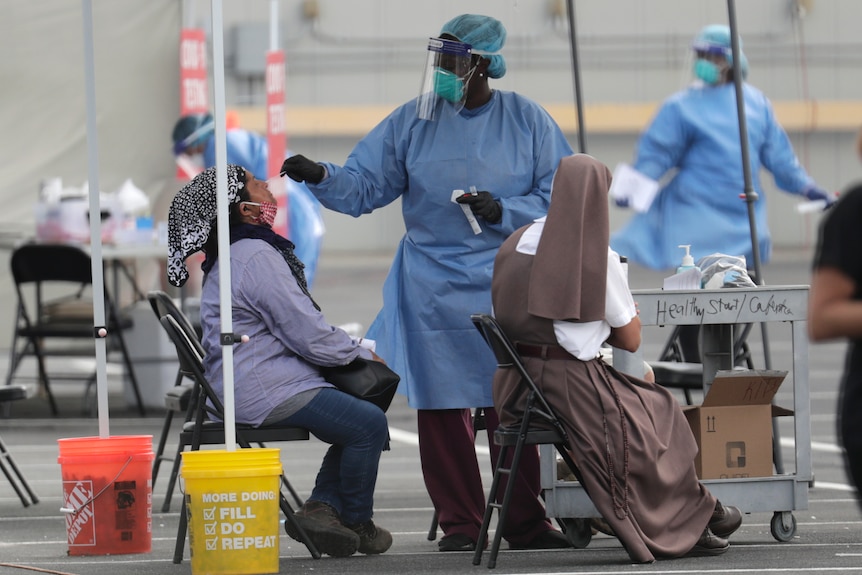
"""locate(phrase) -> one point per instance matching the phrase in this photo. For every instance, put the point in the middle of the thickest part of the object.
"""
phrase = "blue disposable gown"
(305, 224)
(441, 273)
(696, 132)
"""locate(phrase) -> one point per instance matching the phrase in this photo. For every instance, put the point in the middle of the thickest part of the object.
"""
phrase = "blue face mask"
(448, 86)
(707, 71)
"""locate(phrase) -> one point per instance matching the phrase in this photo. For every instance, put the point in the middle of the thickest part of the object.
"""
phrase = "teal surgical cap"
(718, 36)
(485, 34)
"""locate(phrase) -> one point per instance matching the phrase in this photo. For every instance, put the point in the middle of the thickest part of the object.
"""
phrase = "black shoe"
(373, 540)
(708, 545)
(551, 539)
(323, 526)
(456, 542)
(725, 520)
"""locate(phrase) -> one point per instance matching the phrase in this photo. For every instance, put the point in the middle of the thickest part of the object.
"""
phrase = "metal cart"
(717, 311)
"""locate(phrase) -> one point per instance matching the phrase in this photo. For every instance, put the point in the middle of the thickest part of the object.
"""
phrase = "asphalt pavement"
(828, 538)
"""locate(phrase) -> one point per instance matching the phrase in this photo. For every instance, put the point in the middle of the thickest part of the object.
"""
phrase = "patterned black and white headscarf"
(192, 214)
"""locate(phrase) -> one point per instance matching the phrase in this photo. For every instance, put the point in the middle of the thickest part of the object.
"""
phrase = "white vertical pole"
(188, 14)
(223, 226)
(273, 25)
(95, 224)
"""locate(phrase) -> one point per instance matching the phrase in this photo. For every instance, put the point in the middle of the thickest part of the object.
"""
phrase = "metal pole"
(95, 225)
(750, 194)
(223, 227)
(750, 198)
(576, 76)
(273, 25)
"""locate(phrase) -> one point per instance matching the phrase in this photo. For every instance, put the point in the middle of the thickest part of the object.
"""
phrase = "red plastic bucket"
(107, 494)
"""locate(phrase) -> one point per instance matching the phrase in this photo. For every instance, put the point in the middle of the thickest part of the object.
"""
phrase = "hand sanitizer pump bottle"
(687, 260)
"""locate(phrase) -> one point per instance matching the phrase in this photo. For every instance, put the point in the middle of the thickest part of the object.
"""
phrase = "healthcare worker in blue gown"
(696, 132)
(194, 149)
(457, 135)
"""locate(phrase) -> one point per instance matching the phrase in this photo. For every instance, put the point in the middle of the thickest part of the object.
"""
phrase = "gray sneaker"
(373, 540)
(321, 523)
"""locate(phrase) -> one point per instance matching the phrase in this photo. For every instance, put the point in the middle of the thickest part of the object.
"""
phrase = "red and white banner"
(276, 135)
(193, 72)
(275, 129)
(194, 91)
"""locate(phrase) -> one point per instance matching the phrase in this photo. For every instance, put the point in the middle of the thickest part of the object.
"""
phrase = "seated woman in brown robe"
(557, 284)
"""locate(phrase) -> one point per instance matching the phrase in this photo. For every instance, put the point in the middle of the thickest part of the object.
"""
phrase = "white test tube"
(468, 213)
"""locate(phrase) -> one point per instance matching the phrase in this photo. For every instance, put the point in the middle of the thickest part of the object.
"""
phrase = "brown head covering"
(569, 273)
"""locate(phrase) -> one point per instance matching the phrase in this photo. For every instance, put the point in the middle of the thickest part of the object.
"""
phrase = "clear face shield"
(444, 83)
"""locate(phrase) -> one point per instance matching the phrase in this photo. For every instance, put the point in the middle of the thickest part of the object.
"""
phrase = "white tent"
(45, 109)
(43, 115)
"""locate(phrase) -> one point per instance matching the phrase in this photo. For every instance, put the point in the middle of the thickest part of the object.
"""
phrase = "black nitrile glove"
(300, 169)
(484, 205)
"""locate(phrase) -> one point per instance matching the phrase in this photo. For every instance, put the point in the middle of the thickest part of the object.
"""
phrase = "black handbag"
(366, 379)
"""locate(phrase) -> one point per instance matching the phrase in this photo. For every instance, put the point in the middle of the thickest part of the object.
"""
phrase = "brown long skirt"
(632, 445)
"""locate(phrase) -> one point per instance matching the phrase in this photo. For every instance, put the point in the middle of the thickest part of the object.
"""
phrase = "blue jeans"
(357, 432)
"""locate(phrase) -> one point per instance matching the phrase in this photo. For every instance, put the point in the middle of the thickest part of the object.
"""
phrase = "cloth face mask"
(268, 210)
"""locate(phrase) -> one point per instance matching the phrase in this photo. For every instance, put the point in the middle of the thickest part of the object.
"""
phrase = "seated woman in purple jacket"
(277, 372)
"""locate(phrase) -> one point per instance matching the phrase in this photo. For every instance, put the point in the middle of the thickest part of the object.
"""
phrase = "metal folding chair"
(53, 283)
(679, 366)
(537, 410)
(178, 399)
(207, 427)
(7, 464)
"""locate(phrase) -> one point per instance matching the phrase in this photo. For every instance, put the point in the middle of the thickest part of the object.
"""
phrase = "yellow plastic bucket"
(108, 494)
(232, 503)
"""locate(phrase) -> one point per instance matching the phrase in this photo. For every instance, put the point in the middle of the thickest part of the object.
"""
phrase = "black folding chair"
(53, 283)
(182, 399)
(679, 365)
(207, 427)
(537, 411)
(7, 464)
(178, 399)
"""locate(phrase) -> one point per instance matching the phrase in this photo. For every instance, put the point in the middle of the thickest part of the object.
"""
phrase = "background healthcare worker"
(696, 132)
(458, 134)
(194, 149)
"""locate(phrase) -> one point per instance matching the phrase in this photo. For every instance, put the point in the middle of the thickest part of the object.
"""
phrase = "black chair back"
(50, 262)
(54, 264)
(508, 357)
(163, 304)
(191, 362)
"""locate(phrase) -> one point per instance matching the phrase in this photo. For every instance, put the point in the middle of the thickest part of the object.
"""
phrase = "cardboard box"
(733, 426)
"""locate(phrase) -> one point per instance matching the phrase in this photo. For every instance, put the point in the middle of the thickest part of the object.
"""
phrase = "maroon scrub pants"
(454, 482)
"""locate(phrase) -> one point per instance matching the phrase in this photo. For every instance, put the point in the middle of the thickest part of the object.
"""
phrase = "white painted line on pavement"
(723, 571)
(833, 486)
(815, 445)
(410, 438)
(402, 436)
